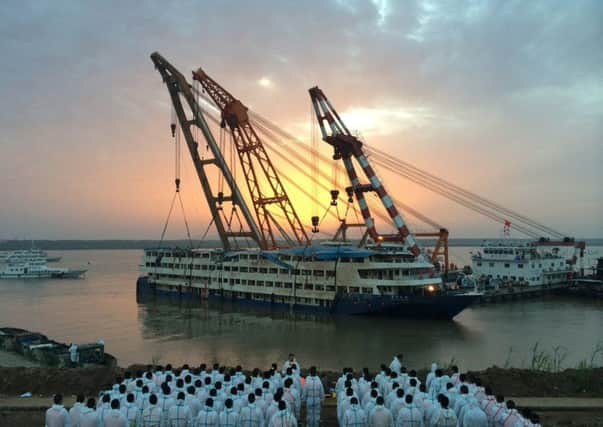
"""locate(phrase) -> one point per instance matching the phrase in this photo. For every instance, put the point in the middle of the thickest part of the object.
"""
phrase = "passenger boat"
(333, 277)
(31, 264)
(517, 262)
(6, 255)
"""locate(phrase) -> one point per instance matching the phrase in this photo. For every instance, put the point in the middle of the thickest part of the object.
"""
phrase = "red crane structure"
(267, 192)
(346, 146)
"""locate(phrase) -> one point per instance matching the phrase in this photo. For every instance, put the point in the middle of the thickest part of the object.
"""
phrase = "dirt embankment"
(509, 382)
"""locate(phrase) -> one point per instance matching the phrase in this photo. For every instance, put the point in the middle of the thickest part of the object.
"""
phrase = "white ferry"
(31, 264)
(506, 262)
(334, 277)
(6, 255)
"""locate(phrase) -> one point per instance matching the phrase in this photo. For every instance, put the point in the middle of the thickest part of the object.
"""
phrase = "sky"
(504, 98)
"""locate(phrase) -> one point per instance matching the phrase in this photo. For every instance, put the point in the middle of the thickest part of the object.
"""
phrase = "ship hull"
(412, 306)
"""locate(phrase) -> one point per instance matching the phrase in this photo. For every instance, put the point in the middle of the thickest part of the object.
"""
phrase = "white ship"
(6, 255)
(515, 262)
(335, 277)
(32, 264)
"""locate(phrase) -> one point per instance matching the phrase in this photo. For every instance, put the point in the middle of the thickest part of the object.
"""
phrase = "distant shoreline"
(142, 244)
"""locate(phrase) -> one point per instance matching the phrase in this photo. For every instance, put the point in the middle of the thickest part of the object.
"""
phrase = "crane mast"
(267, 192)
(180, 89)
(346, 146)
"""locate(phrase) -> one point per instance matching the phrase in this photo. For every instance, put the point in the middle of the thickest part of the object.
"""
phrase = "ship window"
(507, 265)
(251, 282)
(519, 265)
(319, 273)
(307, 272)
(330, 273)
(330, 288)
(367, 290)
(197, 267)
(205, 255)
(254, 256)
(204, 267)
(278, 284)
(309, 286)
(243, 269)
(288, 285)
(273, 270)
(345, 259)
(234, 268)
(270, 284)
(243, 281)
(319, 287)
(283, 271)
(253, 270)
(491, 264)
(286, 257)
(479, 264)
(355, 289)
(263, 270)
(298, 286)
(226, 268)
(237, 281)
(358, 260)
(259, 283)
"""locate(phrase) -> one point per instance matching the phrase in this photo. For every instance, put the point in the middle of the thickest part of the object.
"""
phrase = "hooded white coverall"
(409, 416)
(251, 416)
(444, 418)
(228, 418)
(380, 416)
(180, 415)
(431, 375)
(473, 416)
(283, 418)
(88, 418)
(132, 414)
(151, 416)
(313, 394)
(355, 416)
(395, 365)
(114, 418)
(74, 413)
(57, 416)
(207, 417)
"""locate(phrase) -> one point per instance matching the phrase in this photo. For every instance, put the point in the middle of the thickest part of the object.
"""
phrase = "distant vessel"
(5, 255)
(515, 262)
(31, 264)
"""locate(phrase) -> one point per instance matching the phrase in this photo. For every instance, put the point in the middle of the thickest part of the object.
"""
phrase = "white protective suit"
(180, 415)
(151, 416)
(228, 418)
(409, 416)
(355, 416)
(396, 365)
(132, 414)
(251, 416)
(313, 394)
(473, 416)
(444, 418)
(88, 418)
(114, 418)
(207, 417)
(74, 413)
(283, 418)
(431, 375)
(380, 416)
(57, 416)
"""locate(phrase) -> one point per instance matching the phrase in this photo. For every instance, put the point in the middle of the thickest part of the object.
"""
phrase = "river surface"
(103, 305)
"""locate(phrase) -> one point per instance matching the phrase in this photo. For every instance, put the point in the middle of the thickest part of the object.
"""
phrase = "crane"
(267, 192)
(181, 94)
(347, 146)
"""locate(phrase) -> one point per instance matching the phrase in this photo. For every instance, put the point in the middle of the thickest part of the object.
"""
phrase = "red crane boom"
(263, 182)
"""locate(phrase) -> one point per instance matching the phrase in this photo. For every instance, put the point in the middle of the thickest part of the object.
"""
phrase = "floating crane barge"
(381, 274)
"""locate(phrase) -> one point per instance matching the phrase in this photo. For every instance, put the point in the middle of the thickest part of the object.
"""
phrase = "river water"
(103, 305)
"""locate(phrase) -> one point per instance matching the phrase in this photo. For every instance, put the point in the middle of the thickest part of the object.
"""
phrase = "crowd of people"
(219, 397)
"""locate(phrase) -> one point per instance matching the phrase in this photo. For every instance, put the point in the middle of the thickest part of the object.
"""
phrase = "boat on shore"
(331, 277)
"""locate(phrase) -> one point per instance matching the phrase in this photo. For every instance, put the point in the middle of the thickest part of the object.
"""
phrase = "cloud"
(478, 91)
